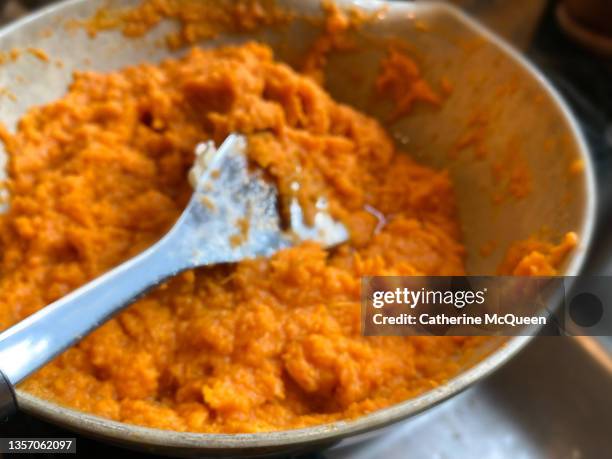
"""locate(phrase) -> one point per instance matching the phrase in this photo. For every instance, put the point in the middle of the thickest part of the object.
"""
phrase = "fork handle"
(36, 340)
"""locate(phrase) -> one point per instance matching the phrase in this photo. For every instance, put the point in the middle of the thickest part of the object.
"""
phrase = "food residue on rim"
(198, 20)
(537, 257)
(474, 136)
(9, 56)
(5, 92)
(39, 54)
(576, 167)
(488, 247)
(14, 54)
(511, 173)
(401, 81)
(334, 37)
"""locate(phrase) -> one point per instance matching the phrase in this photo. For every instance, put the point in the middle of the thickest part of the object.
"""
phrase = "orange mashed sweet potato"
(536, 257)
(262, 345)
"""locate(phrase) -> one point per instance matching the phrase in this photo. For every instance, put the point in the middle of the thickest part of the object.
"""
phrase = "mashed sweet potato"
(262, 345)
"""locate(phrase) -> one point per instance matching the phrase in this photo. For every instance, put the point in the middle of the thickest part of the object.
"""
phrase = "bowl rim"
(134, 434)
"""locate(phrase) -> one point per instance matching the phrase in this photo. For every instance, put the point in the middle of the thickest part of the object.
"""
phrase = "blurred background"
(553, 400)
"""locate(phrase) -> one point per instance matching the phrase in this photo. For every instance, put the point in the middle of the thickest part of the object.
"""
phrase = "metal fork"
(232, 215)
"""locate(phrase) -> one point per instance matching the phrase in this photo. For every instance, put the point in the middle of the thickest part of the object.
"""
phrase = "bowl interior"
(497, 116)
(500, 120)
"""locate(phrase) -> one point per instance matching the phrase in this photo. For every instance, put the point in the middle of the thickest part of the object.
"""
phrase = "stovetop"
(553, 400)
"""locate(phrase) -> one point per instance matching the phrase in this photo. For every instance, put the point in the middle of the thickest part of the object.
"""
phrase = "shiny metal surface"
(478, 73)
(551, 401)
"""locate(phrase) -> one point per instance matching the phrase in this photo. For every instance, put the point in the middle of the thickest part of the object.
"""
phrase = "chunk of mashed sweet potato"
(537, 257)
(267, 344)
